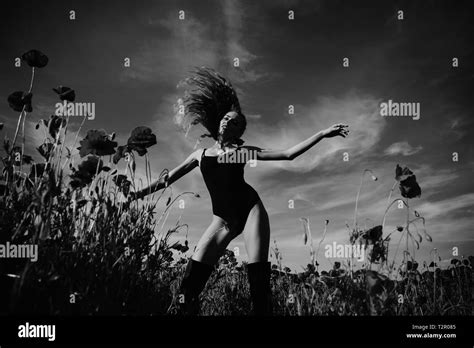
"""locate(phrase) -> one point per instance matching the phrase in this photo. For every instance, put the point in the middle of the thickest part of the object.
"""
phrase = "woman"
(213, 103)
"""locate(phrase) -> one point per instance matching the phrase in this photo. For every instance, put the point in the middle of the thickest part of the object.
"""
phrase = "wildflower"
(122, 183)
(120, 153)
(97, 143)
(65, 93)
(409, 188)
(86, 171)
(54, 125)
(373, 234)
(18, 100)
(141, 139)
(35, 58)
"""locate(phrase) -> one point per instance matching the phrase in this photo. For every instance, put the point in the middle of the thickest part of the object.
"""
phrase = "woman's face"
(231, 126)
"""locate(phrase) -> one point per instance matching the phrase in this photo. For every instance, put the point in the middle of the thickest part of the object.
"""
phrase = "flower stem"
(24, 106)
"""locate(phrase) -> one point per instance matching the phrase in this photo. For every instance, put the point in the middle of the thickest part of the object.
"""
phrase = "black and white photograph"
(170, 167)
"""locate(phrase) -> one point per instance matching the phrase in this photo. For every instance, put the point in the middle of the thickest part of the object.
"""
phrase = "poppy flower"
(409, 188)
(45, 150)
(122, 183)
(85, 172)
(17, 100)
(373, 234)
(97, 143)
(54, 125)
(455, 262)
(120, 153)
(65, 93)
(141, 139)
(35, 58)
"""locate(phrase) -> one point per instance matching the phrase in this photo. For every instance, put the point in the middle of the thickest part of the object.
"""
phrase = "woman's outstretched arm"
(293, 152)
(185, 167)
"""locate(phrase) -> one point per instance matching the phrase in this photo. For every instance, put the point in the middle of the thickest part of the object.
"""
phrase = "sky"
(283, 62)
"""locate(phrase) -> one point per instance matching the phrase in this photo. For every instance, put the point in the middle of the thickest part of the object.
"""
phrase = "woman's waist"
(232, 190)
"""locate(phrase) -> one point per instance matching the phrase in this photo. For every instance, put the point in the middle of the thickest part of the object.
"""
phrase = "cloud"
(402, 148)
(167, 57)
(446, 206)
(360, 112)
(191, 42)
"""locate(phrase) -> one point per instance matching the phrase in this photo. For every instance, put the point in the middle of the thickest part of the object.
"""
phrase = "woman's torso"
(232, 198)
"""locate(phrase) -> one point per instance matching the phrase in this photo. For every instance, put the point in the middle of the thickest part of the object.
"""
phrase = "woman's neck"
(220, 144)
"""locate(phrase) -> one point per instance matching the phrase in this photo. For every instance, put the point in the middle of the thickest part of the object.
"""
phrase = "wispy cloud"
(192, 42)
(360, 112)
(187, 44)
(402, 148)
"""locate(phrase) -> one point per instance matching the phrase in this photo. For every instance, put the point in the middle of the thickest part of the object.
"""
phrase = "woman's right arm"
(184, 168)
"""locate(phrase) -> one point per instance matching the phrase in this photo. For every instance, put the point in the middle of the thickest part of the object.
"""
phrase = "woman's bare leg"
(214, 241)
(257, 234)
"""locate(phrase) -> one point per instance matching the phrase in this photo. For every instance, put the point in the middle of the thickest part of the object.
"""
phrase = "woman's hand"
(338, 129)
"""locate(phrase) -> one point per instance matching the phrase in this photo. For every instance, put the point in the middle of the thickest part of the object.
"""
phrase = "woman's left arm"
(293, 152)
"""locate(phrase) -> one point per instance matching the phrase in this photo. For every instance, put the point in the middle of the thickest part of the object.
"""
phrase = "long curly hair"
(207, 99)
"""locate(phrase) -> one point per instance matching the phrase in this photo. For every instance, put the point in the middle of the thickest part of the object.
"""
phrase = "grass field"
(100, 253)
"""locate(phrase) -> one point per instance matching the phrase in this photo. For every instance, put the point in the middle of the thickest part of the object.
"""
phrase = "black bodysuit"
(232, 198)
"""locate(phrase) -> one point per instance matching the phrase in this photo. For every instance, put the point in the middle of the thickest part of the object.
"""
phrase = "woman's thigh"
(257, 234)
(214, 241)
